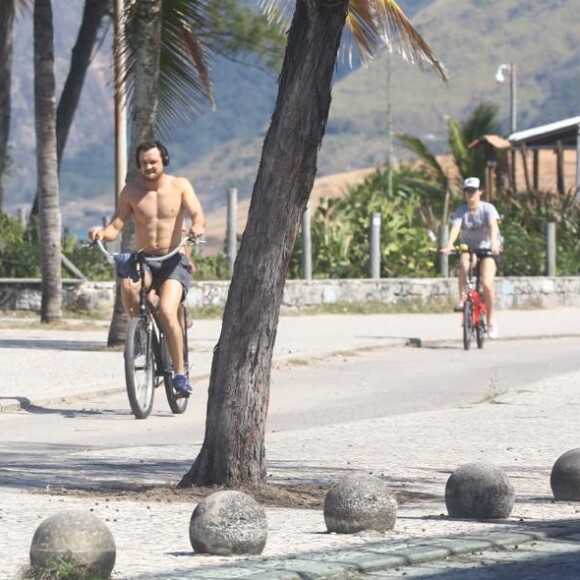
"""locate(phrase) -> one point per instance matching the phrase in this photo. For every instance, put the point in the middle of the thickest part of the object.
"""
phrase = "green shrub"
(18, 250)
(340, 233)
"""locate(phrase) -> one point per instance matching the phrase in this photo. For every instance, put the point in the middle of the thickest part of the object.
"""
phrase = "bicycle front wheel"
(467, 324)
(178, 405)
(139, 368)
(480, 330)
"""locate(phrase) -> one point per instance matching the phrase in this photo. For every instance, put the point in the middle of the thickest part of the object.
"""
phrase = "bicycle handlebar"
(111, 257)
(479, 252)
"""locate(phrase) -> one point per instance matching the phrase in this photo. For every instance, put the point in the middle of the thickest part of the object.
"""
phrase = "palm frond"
(400, 35)
(371, 24)
(482, 121)
(431, 165)
(184, 80)
(459, 147)
(11, 8)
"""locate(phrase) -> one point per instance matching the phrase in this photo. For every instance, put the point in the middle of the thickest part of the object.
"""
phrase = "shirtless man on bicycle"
(477, 223)
(158, 204)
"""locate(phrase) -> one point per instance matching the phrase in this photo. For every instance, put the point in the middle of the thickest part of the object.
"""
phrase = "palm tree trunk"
(233, 451)
(93, 14)
(6, 27)
(141, 124)
(46, 161)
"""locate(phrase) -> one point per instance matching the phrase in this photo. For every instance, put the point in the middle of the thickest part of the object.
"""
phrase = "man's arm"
(193, 209)
(110, 233)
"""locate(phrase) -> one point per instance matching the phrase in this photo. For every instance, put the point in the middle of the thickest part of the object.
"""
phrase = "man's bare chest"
(157, 205)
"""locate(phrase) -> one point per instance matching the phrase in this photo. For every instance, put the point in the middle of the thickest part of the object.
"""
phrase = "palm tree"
(46, 162)
(233, 450)
(166, 46)
(93, 14)
(144, 29)
(8, 9)
(483, 120)
(148, 40)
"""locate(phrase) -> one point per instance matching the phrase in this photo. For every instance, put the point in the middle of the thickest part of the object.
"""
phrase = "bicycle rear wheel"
(177, 404)
(467, 324)
(480, 330)
(139, 368)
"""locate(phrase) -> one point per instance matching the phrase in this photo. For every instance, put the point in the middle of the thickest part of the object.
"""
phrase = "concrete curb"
(371, 557)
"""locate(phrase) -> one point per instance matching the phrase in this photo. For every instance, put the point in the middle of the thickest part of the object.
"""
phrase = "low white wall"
(511, 292)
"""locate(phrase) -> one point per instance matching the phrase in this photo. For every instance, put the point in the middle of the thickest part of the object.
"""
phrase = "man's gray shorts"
(177, 268)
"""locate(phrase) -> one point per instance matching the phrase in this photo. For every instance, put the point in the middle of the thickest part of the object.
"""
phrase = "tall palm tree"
(166, 46)
(233, 450)
(93, 14)
(483, 120)
(144, 31)
(8, 9)
(156, 31)
(46, 162)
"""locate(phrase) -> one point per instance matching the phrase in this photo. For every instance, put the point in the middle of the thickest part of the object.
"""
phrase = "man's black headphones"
(146, 145)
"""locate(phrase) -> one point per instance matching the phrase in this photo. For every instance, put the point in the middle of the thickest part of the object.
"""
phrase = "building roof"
(494, 140)
(565, 131)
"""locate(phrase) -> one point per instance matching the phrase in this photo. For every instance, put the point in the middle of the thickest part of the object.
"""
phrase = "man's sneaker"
(492, 331)
(181, 386)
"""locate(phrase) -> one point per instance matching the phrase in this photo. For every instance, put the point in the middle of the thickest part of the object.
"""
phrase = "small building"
(562, 138)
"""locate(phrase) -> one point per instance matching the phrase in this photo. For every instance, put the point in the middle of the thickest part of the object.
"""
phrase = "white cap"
(471, 182)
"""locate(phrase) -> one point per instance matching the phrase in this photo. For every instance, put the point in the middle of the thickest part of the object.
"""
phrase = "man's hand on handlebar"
(95, 234)
(196, 231)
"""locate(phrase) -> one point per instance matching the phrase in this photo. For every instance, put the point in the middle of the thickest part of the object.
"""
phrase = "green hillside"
(222, 149)
(472, 38)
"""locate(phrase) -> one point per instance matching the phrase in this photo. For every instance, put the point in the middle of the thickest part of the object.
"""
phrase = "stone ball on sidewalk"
(479, 491)
(565, 476)
(74, 536)
(227, 523)
(359, 502)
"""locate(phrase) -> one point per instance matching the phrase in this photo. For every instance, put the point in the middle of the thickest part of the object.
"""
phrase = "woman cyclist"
(476, 221)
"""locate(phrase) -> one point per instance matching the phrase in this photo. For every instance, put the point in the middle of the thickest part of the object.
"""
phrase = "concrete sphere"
(359, 502)
(228, 523)
(479, 491)
(565, 477)
(78, 535)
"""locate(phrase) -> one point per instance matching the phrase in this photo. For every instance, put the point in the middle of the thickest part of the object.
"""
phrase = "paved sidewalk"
(524, 434)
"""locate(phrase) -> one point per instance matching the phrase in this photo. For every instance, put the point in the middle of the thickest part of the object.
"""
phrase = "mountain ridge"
(222, 149)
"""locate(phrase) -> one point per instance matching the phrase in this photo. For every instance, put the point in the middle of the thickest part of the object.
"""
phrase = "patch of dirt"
(284, 495)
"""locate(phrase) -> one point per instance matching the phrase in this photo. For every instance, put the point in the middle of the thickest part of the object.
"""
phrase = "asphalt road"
(331, 391)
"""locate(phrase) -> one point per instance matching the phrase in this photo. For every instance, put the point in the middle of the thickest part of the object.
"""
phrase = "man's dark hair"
(146, 145)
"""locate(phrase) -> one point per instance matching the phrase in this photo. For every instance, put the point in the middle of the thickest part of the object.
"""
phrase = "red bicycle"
(474, 309)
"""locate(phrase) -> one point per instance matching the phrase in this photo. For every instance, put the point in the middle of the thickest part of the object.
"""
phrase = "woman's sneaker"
(492, 331)
(182, 386)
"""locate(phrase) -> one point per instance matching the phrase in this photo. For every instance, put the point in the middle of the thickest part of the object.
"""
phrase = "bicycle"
(146, 354)
(474, 309)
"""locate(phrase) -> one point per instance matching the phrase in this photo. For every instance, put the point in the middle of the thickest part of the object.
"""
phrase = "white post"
(551, 249)
(306, 246)
(443, 258)
(375, 248)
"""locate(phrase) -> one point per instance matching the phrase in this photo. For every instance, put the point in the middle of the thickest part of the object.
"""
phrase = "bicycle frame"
(474, 308)
(147, 359)
(474, 288)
